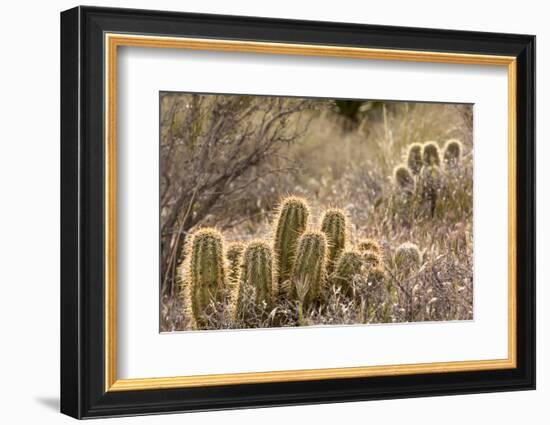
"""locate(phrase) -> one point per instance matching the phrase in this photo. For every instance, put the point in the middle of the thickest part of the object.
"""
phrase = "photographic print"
(287, 211)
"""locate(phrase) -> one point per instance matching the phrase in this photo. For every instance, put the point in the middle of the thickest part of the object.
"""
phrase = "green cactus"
(333, 225)
(369, 244)
(257, 271)
(403, 179)
(349, 264)
(309, 273)
(452, 153)
(414, 158)
(204, 269)
(431, 154)
(234, 255)
(291, 223)
(407, 256)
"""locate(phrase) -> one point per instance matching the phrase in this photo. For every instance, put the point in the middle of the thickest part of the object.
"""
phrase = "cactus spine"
(333, 225)
(348, 266)
(431, 154)
(414, 158)
(205, 273)
(291, 223)
(308, 274)
(257, 271)
(452, 152)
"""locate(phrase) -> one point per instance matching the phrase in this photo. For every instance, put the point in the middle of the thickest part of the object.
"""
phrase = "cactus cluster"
(423, 172)
(297, 265)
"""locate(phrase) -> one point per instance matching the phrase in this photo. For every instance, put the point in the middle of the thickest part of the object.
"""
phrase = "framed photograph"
(261, 212)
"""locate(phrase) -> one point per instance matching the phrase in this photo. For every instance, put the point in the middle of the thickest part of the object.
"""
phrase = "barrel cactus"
(333, 225)
(309, 273)
(257, 272)
(407, 256)
(204, 273)
(452, 153)
(291, 223)
(414, 158)
(403, 178)
(430, 154)
(349, 265)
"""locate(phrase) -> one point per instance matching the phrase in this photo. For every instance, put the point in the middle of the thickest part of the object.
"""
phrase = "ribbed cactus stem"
(291, 223)
(205, 266)
(414, 158)
(349, 265)
(257, 271)
(431, 154)
(403, 179)
(452, 153)
(333, 225)
(309, 273)
(234, 255)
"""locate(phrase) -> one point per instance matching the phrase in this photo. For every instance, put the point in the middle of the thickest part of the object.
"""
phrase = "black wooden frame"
(82, 212)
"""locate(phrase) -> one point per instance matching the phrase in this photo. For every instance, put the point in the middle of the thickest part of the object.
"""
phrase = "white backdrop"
(29, 228)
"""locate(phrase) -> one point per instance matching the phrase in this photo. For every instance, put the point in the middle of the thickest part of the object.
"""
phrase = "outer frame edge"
(103, 406)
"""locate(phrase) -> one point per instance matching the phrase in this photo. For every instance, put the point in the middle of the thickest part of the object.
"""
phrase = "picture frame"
(90, 41)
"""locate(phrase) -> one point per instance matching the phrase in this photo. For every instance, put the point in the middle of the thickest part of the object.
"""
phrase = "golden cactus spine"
(257, 271)
(292, 221)
(333, 225)
(204, 279)
(309, 273)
